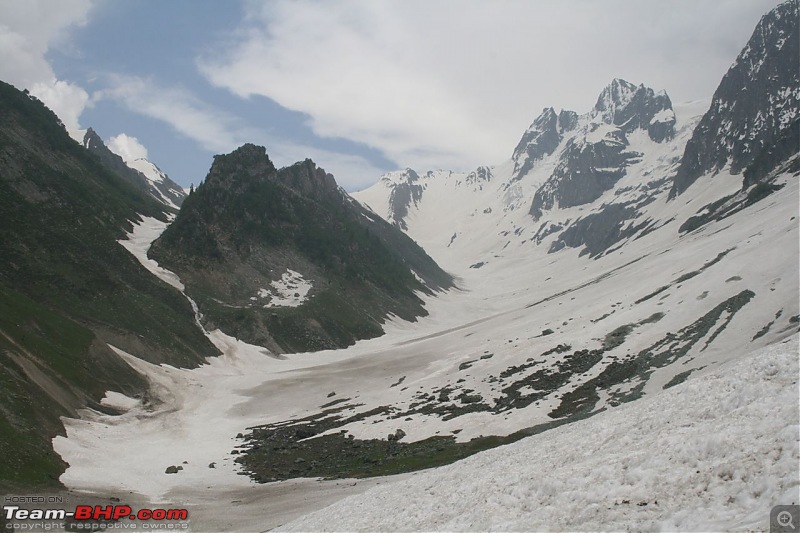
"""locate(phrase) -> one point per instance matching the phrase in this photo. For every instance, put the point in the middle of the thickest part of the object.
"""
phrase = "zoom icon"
(784, 519)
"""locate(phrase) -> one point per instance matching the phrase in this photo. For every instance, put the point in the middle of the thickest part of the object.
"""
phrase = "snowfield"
(713, 454)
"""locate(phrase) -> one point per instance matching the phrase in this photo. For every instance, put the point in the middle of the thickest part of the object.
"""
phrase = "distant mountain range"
(569, 171)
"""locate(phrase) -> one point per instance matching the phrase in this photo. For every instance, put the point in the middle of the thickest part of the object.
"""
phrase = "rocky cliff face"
(542, 138)
(584, 172)
(405, 191)
(757, 101)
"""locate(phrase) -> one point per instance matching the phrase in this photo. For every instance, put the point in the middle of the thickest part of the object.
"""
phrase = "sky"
(361, 87)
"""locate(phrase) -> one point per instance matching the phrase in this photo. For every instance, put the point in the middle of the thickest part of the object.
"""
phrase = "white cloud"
(66, 100)
(455, 83)
(212, 129)
(127, 147)
(219, 132)
(27, 30)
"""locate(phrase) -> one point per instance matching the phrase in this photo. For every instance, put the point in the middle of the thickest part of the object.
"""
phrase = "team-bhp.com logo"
(88, 517)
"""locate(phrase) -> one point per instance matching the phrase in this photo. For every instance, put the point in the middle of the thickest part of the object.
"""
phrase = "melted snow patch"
(601, 134)
(148, 169)
(289, 291)
(665, 115)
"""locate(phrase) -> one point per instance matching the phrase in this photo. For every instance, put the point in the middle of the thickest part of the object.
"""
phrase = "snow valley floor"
(727, 448)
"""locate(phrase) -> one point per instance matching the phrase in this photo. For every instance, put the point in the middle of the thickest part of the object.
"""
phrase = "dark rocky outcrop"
(403, 194)
(599, 231)
(785, 147)
(95, 145)
(249, 223)
(479, 176)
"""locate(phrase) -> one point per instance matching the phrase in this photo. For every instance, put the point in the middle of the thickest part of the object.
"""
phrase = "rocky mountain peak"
(632, 107)
(249, 165)
(141, 173)
(410, 175)
(539, 136)
(246, 163)
(91, 140)
(404, 191)
(250, 223)
(616, 95)
(406, 175)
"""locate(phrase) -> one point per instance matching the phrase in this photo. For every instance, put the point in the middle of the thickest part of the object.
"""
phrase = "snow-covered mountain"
(598, 180)
(161, 187)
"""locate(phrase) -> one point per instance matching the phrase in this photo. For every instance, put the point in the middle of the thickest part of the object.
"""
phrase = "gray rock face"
(757, 100)
(599, 231)
(542, 138)
(94, 144)
(401, 197)
(567, 120)
(585, 171)
(786, 146)
(309, 181)
(479, 176)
